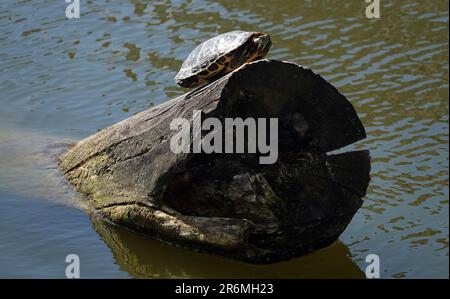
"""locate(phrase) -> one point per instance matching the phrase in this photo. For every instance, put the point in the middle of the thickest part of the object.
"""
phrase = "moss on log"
(230, 204)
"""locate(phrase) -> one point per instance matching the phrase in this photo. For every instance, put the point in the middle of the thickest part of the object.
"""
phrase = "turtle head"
(261, 42)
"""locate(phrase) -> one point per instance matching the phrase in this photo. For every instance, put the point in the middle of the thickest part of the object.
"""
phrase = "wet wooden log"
(230, 204)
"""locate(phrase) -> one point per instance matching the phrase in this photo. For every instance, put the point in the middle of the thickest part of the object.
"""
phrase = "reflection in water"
(70, 78)
(147, 258)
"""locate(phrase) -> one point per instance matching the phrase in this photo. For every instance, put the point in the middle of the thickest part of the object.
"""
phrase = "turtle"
(220, 55)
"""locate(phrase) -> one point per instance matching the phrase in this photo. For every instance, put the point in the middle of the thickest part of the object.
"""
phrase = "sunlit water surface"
(62, 80)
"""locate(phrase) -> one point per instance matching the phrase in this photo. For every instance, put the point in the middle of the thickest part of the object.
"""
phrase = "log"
(231, 204)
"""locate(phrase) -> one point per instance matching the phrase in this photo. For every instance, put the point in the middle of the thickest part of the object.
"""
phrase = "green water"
(62, 80)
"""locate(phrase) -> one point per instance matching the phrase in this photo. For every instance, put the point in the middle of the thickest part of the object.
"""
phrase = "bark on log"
(230, 204)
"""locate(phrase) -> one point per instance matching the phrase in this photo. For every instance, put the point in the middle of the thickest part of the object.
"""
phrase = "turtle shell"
(210, 51)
